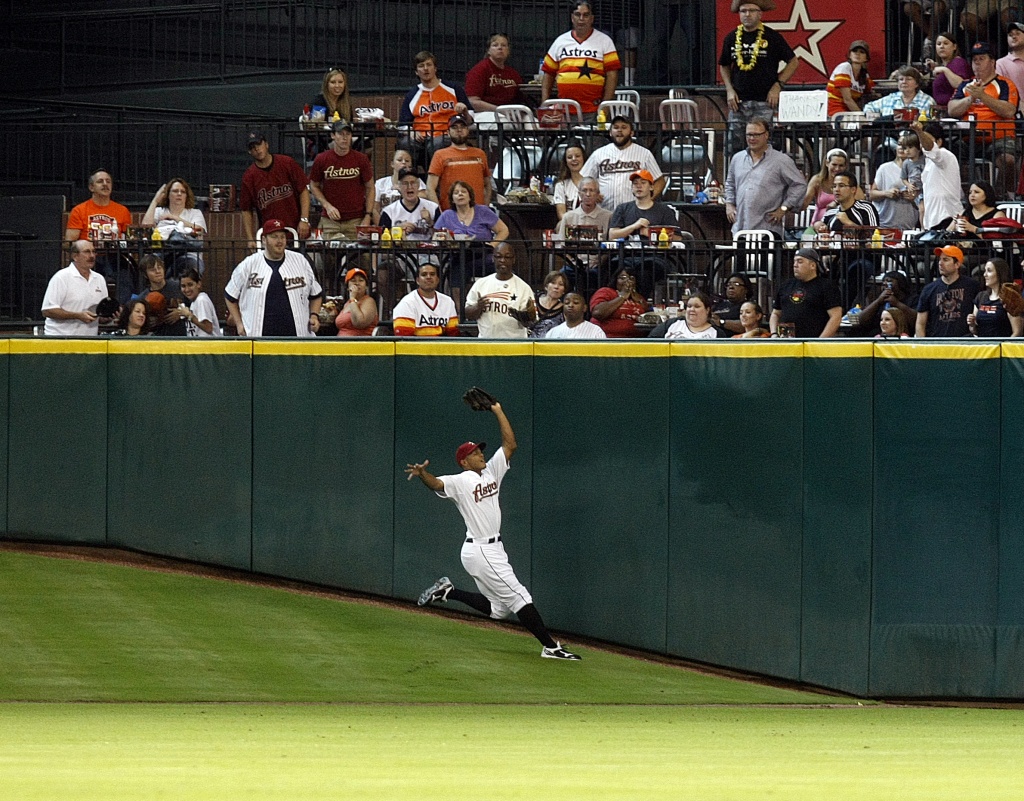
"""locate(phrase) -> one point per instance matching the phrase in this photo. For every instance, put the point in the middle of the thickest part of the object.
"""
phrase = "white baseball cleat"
(438, 591)
(558, 652)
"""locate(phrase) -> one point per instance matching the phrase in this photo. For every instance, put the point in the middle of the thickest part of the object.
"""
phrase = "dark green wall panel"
(323, 471)
(57, 479)
(180, 473)
(736, 499)
(936, 539)
(4, 426)
(601, 494)
(431, 421)
(836, 578)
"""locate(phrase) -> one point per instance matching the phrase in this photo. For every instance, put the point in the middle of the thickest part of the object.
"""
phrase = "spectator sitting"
(990, 101)
(426, 312)
(752, 320)
(426, 110)
(696, 324)
(550, 304)
(574, 325)
(893, 324)
(202, 314)
(808, 301)
(726, 313)
(634, 218)
(848, 210)
(412, 211)
(567, 196)
(73, 295)
(589, 211)
(980, 206)
(164, 298)
(949, 71)
(946, 302)
(614, 163)
(617, 307)
(940, 178)
(491, 82)
(976, 14)
(907, 95)
(466, 220)
(459, 162)
(819, 188)
(173, 211)
(387, 190)
(849, 82)
(358, 316)
(133, 320)
(894, 197)
(334, 97)
(989, 318)
(100, 218)
(896, 293)
(501, 303)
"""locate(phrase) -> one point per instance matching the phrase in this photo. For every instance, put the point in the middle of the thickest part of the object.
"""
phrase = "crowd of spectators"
(615, 189)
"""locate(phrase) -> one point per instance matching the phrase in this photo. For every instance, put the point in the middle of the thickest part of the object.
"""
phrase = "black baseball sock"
(530, 617)
(473, 599)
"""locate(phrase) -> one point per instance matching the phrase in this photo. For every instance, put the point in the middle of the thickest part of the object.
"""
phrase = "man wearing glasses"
(862, 217)
(749, 68)
(762, 184)
(583, 62)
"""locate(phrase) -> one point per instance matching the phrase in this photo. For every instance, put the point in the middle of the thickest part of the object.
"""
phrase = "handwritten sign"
(810, 106)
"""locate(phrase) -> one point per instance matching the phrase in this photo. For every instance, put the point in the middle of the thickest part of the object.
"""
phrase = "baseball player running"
(475, 491)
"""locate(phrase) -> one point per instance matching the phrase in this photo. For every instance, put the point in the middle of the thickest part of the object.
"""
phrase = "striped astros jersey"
(430, 109)
(579, 67)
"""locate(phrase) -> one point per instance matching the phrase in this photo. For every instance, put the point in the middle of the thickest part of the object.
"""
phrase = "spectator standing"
(808, 300)
(749, 67)
(849, 82)
(575, 325)
(358, 316)
(201, 320)
(946, 302)
(426, 312)
(582, 62)
(165, 299)
(696, 321)
(893, 197)
(492, 82)
(613, 163)
(274, 293)
(1012, 64)
(501, 303)
(342, 180)
(426, 110)
(274, 187)
(990, 101)
(940, 178)
(550, 304)
(458, 162)
(762, 184)
(73, 295)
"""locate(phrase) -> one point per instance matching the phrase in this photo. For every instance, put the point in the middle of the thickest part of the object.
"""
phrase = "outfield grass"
(328, 699)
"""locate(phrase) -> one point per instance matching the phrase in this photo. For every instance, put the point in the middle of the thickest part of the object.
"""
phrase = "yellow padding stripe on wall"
(443, 346)
(1013, 349)
(623, 349)
(323, 347)
(206, 346)
(839, 349)
(753, 349)
(925, 350)
(51, 345)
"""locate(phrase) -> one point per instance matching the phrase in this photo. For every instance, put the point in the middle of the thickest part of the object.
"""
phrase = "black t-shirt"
(278, 320)
(756, 83)
(172, 291)
(993, 321)
(627, 213)
(947, 306)
(806, 303)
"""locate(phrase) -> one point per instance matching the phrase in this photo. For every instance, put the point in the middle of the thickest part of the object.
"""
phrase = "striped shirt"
(580, 67)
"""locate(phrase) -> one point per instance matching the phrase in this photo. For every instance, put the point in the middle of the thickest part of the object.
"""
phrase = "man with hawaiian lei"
(749, 66)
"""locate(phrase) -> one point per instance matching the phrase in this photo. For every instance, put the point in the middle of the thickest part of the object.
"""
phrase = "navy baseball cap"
(981, 49)
(621, 118)
(342, 125)
(254, 138)
(467, 448)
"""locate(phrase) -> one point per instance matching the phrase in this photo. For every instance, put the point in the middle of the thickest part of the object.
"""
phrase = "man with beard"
(458, 162)
(613, 164)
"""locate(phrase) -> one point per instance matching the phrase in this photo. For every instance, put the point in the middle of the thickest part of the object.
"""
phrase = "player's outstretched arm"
(508, 436)
(431, 481)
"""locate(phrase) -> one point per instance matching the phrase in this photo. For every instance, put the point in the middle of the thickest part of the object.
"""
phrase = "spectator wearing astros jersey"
(582, 62)
(426, 110)
(426, 312)
(613, 164)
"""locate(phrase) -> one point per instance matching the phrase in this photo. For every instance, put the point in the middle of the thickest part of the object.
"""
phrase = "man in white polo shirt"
(73, 295)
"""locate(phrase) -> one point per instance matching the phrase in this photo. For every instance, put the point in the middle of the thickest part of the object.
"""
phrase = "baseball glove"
(481, 400)
(1010, 295)
(108, 307)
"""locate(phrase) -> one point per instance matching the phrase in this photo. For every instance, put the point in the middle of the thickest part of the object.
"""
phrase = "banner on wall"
(819, 31)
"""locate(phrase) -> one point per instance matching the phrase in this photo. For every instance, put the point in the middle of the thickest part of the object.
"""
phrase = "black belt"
(491, 541)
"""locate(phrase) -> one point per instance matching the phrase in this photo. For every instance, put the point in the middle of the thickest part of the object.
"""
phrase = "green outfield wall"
(846, 514)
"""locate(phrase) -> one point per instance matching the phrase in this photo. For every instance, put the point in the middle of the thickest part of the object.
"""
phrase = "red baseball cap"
(467, 448)
(271, 226)
(645, 174)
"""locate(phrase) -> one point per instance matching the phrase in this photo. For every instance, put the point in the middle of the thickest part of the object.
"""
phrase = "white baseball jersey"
(496, 322)
(415, 316)
(397, 213)
(477, 498)
(584, 330)
(612, 166)
(70, 291)
(248, 287)
(202, 307)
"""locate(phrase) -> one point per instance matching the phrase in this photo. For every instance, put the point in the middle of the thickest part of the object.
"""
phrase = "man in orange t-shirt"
(458, 162)
(94, 219)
